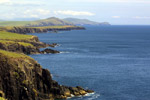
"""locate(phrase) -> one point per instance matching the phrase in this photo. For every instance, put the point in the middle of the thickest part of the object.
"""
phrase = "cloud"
(74, 13)
(116, 17)
(20, 3)
(112, 1)
(139, 17)
(4, 2)
(36, 13)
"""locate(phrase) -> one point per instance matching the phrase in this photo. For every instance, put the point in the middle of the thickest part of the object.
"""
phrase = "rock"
(49, 51)
(25, 30)
(53, 44)
(89, 91)
(24, 79)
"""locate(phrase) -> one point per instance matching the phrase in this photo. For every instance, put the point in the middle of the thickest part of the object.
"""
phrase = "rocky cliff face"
(24, 30)
(30, 46)
(22, 78)
(16, 47)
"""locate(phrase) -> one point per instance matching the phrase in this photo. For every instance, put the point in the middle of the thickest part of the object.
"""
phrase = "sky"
(116, 12)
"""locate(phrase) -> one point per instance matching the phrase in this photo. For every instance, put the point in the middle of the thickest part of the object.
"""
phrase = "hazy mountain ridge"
(53, 21)
(77, 21)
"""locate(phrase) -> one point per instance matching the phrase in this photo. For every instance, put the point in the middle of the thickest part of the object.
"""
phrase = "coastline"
(25, 30)
(41, 80)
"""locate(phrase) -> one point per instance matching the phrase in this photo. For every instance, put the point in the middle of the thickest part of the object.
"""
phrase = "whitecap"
(64, 52)
(93, 96)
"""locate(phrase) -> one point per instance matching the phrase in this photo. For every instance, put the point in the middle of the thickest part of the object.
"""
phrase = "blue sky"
(118, 12)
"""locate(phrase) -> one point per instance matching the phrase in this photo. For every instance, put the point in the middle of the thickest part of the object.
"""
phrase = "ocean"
(114, 61)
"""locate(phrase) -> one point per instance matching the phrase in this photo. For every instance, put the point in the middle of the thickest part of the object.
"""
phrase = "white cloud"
(116, 17)
(43, 12)
(139, 17)
(19, 2)
(36, 13)
(112, 1)
(74, 13)
(5, 2)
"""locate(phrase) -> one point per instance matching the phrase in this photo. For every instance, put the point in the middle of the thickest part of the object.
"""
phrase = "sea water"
(114, 61)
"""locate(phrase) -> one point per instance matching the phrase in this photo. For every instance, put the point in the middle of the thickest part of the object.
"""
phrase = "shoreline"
(25, 30)
(42, 82)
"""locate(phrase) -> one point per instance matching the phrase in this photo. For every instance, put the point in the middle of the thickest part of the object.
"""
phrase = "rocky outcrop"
(24, 30)
(29, 49)
(16, 47)
(30, 46)
(49, 51)
(22, 78)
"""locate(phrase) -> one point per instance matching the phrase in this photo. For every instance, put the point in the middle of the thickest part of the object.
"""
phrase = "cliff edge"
(22, 78)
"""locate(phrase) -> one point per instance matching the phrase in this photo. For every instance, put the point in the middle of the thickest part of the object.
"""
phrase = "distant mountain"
(25, 19)
(43, 22)
(77, 21)
(53, 21)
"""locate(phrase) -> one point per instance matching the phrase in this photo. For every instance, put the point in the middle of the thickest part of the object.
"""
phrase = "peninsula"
(22, 78)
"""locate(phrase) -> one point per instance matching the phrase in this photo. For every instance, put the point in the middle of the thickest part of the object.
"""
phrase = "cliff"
(22, 78)
(26, 44)
(24, 30)
(53, 21)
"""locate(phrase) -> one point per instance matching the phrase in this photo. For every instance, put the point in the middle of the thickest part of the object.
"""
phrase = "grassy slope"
(2, 98)
(12, 54)
(7, 39)
(14, 23)
(77, 21)
(80, 21)
(13, 36)
(44, 22)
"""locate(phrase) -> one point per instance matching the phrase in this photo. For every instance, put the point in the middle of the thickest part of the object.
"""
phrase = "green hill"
(44, 22)
(77, 21)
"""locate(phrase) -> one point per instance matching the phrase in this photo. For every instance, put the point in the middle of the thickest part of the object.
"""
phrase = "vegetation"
(55, 27)
(77, 21)
(13, 36)
(13, 54)
(1, 98)
(44, 22)
(25, 44)
(5, 42)
(14, 23)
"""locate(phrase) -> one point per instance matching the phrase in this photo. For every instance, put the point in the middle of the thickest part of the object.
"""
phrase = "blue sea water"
(114, 61)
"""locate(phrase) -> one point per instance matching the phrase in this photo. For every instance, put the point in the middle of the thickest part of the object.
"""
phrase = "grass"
(25, 44)
(43, 22)
(1, 98)
(7, 43)
(13, 54)
(14, 23)
(55, 27)
(13, 36)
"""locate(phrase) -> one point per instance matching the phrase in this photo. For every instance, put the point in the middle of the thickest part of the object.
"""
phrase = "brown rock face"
(15, 47)
(49, 51)
(25, 30)
(24, 79)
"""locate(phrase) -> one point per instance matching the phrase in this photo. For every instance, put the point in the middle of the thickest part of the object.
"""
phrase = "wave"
(93, 96)
(64, 52)
(88, 96)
